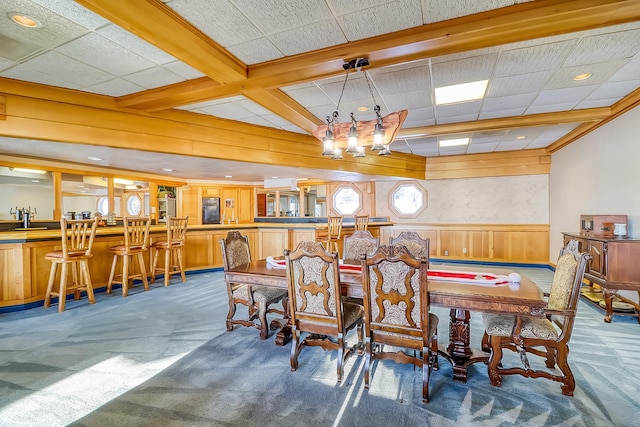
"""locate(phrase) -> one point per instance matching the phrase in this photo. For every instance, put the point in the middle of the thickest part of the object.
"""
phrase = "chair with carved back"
(173, 247)
(258, 299)
(77, 246)
(547, 336)
(417, 246)
(361, 222)
(135, 246)
(316, 305)
(334, 230)
(396, 304)
(359, 243)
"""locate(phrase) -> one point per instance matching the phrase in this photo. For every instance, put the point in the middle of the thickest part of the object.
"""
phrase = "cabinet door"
(598, 251)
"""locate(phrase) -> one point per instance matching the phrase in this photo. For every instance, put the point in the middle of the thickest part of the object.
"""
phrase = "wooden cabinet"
(613, 266)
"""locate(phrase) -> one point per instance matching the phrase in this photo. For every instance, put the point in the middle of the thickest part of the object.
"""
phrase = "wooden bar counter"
(24, 271)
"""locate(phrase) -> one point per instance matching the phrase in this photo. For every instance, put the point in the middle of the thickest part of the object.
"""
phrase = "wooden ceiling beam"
(284, 106)
(531, 120)
(497, 27)
(158, 24)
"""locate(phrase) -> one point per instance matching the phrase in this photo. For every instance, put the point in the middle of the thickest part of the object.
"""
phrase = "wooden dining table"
(524, 299)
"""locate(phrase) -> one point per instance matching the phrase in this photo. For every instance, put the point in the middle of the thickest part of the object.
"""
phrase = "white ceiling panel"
(381, 19)
(185, 71)
(153, 77)
(522, 83)
(513, 102)
(460, 109)
(275, 16)
(72, 11)
(115, 87)
(533, 59)
(566, 96)
(256, 51)
(464, 70)
(600, 73)
(440, 10)
(408, 100)
(79, 73)
(135, 44)
(21, 72)
(605, 48)
(310, 37)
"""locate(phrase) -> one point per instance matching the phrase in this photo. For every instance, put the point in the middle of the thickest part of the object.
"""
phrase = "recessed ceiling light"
(582, 76)
(24, 20)
(81, 185)
(39, 172)
(453, 142)
(275, 177)
(363, 108)
(122, 181)
(167, 169)
(95, 158)
(461, 93)
(521, 137)
(228, 176)
(35, 180)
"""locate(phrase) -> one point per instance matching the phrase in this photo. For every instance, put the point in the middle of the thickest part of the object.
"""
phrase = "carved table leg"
(459, 353)
(608, 300)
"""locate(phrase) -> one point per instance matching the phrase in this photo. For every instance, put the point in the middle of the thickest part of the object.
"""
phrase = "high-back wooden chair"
(258, 299)
(316, 305)
(357, 244)
(173, 247)
(77, 246)
(361, 222)
(547, 336)
(334, 230)
(396, 311)
(417, 246)
(136, 244)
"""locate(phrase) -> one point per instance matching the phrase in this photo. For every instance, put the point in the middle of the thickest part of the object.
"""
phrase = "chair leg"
(494, 361)
(230, 314)
(62, 297)
(112, 274)
(426, 373)
(340, 357)
(295, 349)
(143, 271)
(52, 278)
(125, 275)
(76, 280)
(568, 383)
(181, 263)
(434, 352)
(367, 362)
(154, 263)
(167, 266)
(264, 327)
(84, 271)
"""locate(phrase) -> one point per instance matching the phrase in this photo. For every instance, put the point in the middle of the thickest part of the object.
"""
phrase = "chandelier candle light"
(355, 135)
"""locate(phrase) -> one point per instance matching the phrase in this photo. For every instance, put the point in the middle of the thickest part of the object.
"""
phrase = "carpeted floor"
(163, 358)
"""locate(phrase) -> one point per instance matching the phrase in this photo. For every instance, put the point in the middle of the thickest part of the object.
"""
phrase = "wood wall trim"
(3, 107)
(506, 163)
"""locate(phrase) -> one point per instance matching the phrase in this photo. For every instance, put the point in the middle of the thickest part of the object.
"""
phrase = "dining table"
(462, 296)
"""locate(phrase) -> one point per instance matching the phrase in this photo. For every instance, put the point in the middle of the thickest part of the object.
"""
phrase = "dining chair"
(173, 247)
(396, 312)
(316, 306)
(77, 245)
(136, 244)
(417, 246)
(258, 299)
(359, 243)
(361, 222)
(334, 230)
(546, 336)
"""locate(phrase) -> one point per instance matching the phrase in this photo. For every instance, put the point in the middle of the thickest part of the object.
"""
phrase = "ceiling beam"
(497, 27)
(531, 120)
(284, 106)
(158, 24)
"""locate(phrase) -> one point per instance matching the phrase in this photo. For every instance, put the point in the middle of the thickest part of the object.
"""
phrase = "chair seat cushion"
(532, 327)
(261, 294)
(351, 313)
(71, 254)
(433, 328)
(163, 244)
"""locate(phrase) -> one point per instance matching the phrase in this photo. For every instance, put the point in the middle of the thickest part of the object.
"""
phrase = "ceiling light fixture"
(582, 77)
(521, 137)
(24, 20)
(95, 158)
(356, 135)
(461, 93)
(167, 169)
(39, 172)
(122, 181)
(453, 142)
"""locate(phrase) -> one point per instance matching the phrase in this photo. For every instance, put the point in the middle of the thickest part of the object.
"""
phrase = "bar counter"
(24, 271)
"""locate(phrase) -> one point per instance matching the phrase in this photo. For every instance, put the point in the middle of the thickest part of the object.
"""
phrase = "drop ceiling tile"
(21, 72)
(381, 19)
(600, 73)
(565, 96)
(513, 85)
(185, 71)
(511, 145)
(68, 69)
(256, 109)
(275, 16)
(418, 121)
(452, 151)
(292, 128)
(614, 90)
(456, 119)
(409, 100)
(464, 70)
(219, 19)
(4, 64)
(316, 35)
(276, 120)
(115, 87)
(322, 111)
(481, 148)
(605, 48)
(257, 120)
(533, 59)
(462, 108)
(308, 95)
(113, 58)
(228, 110)
(255, 51)
(343, 7)
(402, 81)
(520, 101)
(630, 71)
(540, 142)
(597, 103)
(135, 44)
(550, 108)
(439, 10)
(501, 113)
(153, 77)
(14, 49)
(74, 12)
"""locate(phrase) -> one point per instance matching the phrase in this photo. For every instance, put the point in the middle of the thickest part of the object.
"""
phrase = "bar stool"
(173, 245)
(136, 242)
(361, 222)
(334, 229)
(77, 243)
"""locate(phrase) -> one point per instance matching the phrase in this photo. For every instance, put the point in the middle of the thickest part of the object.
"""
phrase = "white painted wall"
(39, 198)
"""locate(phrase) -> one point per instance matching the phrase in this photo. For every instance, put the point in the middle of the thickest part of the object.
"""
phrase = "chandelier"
(355, 135)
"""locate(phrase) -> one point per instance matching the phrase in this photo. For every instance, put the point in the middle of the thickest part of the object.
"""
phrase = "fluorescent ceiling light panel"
(39, 172)
(461, 93)
(453, 142)
(122, 181)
